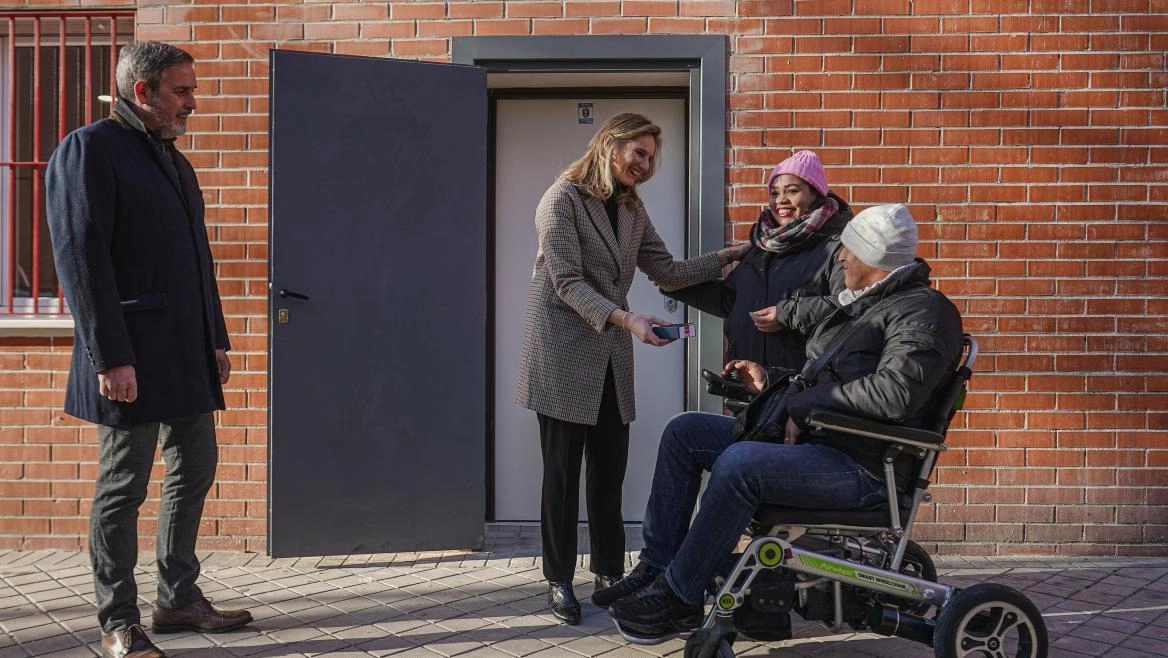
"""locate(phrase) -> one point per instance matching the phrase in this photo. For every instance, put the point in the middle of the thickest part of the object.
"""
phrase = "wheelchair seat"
(877, 517)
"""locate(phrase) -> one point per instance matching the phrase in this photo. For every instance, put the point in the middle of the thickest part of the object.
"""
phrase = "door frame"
(704, 58)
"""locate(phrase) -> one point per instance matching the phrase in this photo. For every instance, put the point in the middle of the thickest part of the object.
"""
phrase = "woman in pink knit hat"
(779, 289)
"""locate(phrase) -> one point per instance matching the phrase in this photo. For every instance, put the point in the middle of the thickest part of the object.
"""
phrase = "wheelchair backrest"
(950, 397)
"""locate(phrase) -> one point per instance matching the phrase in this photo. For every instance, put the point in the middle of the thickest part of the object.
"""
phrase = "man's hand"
(119, 384)
(793, 432)
(764, 319)
(753, 375)
(224, 365)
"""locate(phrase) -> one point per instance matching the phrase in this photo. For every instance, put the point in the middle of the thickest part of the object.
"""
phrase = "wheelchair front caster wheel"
(701, 645)
(988, 619)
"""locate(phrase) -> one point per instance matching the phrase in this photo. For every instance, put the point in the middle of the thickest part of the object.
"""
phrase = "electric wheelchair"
(859, 568)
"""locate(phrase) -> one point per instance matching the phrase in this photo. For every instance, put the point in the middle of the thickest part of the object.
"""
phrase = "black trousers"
(126, 458)
(606, 447)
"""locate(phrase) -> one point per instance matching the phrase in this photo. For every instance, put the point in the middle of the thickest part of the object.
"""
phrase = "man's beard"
(169, 126)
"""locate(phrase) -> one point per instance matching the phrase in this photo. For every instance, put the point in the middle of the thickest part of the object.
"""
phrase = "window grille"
(56, 74)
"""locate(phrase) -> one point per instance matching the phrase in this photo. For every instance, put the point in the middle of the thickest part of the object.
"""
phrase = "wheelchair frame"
(950, 633)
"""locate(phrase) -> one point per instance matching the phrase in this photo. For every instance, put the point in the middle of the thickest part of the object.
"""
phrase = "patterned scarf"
(769, 236)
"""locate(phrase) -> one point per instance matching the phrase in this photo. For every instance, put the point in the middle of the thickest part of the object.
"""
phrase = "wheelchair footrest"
(765, 614)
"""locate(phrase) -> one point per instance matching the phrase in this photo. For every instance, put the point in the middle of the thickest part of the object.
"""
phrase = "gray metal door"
(377, 258)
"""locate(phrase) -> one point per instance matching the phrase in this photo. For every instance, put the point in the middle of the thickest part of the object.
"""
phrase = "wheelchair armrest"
(873, 429)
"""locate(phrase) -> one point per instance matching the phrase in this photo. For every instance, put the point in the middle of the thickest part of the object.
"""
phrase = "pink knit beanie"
(805, 165)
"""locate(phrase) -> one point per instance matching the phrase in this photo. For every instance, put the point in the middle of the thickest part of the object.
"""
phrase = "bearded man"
(150, 344)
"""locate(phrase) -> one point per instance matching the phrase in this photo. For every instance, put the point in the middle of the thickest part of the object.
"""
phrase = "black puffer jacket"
(889, 366)
(796, 282)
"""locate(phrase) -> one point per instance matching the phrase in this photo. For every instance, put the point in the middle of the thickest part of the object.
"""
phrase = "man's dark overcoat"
(126, 216)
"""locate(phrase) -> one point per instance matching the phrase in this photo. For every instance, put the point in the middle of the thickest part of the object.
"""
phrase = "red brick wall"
(1028, 137)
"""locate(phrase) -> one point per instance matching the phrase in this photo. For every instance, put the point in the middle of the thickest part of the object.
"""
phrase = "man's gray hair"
(146, 60)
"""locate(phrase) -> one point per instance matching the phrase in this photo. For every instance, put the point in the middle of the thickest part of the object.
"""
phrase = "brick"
(831, 44)
(1119, 42)
(389, 30)
(706, 8)
(945, 43)
(1055, 495)
(448, 28)
(1042, 532)
(658, 25)
(475, 10)
(244, 14)
(959, 81)
(649, 8)
(330, 31)
(618, 25)
(418, 10)
(419, 47)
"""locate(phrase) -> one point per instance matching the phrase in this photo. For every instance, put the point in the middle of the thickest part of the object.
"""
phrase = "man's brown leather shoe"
(198, 616)
(129, 642)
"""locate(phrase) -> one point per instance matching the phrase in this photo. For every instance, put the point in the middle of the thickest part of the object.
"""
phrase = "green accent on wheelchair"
(854, 574)
(770, 554)
(960, 403)
(830, 567)
(726, 602)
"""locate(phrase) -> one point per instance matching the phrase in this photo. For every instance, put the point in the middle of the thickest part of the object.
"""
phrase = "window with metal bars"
(56, 74)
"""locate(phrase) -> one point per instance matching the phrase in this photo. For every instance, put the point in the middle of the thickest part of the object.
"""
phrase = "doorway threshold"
(522, 538)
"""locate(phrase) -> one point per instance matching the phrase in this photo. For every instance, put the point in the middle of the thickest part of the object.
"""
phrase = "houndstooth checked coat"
(582, 273)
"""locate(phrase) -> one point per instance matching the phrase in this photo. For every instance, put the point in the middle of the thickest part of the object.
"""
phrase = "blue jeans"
(743, 476)
(124, 465)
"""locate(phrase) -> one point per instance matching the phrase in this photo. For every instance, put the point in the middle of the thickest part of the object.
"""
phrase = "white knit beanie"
(884, 237)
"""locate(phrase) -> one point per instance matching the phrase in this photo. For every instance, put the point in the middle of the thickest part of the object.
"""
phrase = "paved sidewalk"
(492, 604)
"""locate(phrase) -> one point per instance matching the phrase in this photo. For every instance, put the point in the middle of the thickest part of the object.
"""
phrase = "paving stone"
(1123, 652)
(1079, 644)
(10, 649)
(72, 652)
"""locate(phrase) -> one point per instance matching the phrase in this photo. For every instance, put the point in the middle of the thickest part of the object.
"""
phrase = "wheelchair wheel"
(695, 646)
(990, 620)
(916, 563)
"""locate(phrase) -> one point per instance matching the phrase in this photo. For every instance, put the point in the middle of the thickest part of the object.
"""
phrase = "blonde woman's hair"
(593, 171)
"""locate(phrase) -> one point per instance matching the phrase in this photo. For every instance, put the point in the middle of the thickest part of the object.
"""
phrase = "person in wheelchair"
(880, 355)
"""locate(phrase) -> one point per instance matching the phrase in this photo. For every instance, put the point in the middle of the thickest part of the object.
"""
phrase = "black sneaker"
(656, 611)
(641, 576)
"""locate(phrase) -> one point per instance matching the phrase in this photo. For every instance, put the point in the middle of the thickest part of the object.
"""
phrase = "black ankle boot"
(562, 601)
(604, 582)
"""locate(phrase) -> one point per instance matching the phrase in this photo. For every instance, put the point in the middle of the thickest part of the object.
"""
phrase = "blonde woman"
(576, 367)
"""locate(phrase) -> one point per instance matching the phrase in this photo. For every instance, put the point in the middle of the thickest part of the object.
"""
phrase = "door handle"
(284, 293)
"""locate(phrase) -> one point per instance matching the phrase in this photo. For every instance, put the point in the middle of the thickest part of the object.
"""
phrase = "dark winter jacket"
(889, 366)
(126, 216)
(795, 282)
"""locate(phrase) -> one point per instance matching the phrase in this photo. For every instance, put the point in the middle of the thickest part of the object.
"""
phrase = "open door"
(378, 305)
